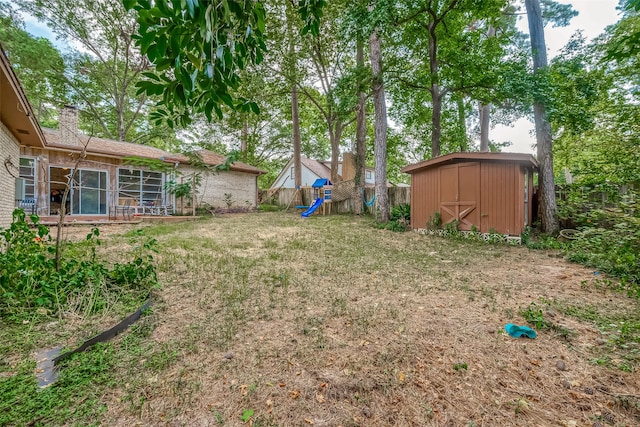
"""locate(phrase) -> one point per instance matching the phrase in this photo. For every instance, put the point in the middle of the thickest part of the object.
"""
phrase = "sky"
(593, 17)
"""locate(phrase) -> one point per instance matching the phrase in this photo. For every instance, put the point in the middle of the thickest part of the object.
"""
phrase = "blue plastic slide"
(312, 208)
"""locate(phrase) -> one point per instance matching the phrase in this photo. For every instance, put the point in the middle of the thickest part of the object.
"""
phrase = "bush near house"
(32, 285)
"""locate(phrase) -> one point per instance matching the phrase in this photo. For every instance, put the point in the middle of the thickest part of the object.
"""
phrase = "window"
(89, 193)
(293, 172)
(28, 173)
(144, 187)
(368, 175)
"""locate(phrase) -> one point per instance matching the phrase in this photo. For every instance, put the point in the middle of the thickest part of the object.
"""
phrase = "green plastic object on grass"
(516, 331)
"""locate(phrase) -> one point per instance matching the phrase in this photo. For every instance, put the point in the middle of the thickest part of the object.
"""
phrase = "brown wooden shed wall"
(501, 198)
(425, 199)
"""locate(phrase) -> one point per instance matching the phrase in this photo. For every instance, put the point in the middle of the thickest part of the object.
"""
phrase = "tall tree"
(328, 59)
(546, 194)
(295, 114)
(361, 130)
(37, 62)
(460, 62)
(485, 110)
(102, 77)
(594, 112)
(380, 126)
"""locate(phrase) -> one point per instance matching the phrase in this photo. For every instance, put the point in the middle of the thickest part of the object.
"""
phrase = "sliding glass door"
(87, 195)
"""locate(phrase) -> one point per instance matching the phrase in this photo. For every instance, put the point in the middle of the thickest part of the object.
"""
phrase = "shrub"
(30, 283)
(615, 251)
(401, 213)
(399, 218)
(609, 229)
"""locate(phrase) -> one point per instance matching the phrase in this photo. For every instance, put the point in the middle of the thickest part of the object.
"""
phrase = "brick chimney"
(69, 125)
(348, 166)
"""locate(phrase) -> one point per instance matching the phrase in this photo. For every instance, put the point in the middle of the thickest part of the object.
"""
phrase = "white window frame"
(138, 194)
(34, 179)
(77, 183)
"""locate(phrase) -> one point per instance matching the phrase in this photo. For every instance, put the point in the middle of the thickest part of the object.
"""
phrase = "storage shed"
(489, 191)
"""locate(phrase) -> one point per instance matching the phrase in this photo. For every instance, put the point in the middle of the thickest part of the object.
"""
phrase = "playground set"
(322, 189)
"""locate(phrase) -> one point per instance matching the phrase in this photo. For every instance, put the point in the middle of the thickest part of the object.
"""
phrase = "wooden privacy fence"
(284, 197)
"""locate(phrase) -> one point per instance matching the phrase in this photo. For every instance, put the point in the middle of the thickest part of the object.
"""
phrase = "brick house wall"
(9, 150)
(242, 186)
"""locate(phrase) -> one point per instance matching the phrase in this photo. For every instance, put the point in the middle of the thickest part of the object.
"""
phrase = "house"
(103, 179)
(38, 165)
(18, 127)
(315, 169)
(487, 192)
(237, 186)
(109, 176)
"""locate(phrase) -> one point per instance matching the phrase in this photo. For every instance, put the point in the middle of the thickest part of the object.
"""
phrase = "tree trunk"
(244, 137)
(297, 161)
(462, 123)
(436, 96)
(547, 207)
(436, 120)
(485, 111)
(484, 126)
(335, 132)
(120, 123)
(380, 129)
(295, 114)
(361, 132)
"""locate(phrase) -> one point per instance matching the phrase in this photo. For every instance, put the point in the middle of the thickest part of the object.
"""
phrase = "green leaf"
(194, 60)
(191, 8)
(246, 415)
(226, 98)
(129, 4)
(163, 6)
(146, 41)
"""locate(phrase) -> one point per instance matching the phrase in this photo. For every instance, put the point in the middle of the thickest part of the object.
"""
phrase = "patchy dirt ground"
(272, 320)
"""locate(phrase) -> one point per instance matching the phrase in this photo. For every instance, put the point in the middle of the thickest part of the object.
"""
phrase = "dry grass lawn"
(273, 320)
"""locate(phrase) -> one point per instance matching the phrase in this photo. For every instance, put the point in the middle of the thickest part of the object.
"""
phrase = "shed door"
(460, 194)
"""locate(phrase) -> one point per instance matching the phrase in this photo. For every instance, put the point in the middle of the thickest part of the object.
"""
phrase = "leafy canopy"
(199, 48)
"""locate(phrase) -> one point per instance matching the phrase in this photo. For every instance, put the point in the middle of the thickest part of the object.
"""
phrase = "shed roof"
(523, 158)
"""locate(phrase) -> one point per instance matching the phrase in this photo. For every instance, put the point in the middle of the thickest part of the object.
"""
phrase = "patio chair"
(28, 205)
(125, 210)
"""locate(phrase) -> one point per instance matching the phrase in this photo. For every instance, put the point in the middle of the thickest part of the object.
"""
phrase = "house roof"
(316, 167)
(523, 158)
(109, 147)
(321, 168)
(211, 158)
(119, 149)
(327, 164)
(15, 111)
